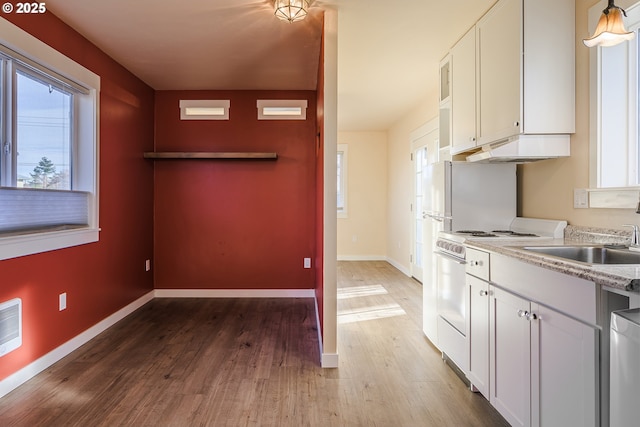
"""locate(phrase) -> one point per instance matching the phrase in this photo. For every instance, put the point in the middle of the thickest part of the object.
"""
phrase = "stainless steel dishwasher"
(625, 368)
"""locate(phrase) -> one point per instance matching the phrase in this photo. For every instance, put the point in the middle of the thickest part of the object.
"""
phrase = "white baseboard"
(23, 375)
(404, 270)
(235, 293)
(362, 258)
(391, 261)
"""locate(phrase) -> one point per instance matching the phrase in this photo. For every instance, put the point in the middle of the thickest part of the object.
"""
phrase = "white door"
(419, 162)
(424, 149)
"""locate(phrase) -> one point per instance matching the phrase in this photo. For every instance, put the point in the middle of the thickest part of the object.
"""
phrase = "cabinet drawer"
(477, 263)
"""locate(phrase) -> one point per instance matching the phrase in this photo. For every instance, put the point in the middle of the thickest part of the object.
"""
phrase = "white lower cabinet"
(536, 366)
(510, 357)
(478, 335)
(564, 361)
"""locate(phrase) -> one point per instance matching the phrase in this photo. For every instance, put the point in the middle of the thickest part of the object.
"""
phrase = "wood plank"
(240, 362)
(203, 155)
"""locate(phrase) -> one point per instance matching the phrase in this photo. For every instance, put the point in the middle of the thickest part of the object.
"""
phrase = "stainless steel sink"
(589, 254)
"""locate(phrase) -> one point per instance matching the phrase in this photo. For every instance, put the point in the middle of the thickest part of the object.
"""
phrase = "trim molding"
(327, 360)
(235, 293)
(18, 378)
(400, 267)
(362, 258)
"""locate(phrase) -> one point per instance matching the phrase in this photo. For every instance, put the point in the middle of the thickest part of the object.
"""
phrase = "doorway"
(424, 151)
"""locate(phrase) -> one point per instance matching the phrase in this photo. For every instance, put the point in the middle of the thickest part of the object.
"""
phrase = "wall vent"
(10, 325)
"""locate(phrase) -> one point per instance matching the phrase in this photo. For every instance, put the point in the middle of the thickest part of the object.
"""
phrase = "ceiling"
(388, 52)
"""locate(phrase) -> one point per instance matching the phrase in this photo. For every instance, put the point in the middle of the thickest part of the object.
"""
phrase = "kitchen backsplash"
(597, 235)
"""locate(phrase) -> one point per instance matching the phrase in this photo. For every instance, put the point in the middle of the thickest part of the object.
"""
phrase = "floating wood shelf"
(209, 155)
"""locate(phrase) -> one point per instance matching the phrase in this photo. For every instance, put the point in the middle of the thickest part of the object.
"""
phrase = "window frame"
(622, 119)
(342, 180)
(16, 68)
(33, 53)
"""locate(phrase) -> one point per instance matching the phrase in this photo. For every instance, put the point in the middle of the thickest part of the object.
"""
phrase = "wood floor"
(255, 362)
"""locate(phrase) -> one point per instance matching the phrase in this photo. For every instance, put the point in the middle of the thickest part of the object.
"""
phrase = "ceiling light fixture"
(610, 29)
(291, 10)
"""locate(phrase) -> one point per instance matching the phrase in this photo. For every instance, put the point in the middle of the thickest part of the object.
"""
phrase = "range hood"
(523, 149)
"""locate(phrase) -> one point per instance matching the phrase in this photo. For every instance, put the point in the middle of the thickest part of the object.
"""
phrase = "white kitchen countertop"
(623, 277)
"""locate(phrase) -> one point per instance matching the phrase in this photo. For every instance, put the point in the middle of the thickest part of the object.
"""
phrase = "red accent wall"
(235, 224)
(99, 278)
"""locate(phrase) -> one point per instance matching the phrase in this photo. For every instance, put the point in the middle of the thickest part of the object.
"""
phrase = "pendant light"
(291, 10)
(610, 29)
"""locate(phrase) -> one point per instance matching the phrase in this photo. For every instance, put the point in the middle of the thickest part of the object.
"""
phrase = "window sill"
(614, 198)
(20, 244)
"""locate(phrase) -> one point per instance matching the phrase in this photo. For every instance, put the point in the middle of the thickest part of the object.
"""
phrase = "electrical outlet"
(307, 263)
(62, 301)
(147, 265)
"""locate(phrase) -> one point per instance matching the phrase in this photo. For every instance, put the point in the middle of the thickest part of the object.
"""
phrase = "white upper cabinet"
(463, 93)
(444, 124)
(514, 74)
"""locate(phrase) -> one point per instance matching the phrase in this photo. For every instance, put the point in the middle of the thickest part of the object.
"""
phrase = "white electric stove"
(451, 259)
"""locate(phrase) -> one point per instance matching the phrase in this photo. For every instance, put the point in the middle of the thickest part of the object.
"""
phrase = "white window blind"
(33, 209)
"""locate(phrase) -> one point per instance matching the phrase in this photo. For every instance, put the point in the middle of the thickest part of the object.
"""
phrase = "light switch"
(580, 198)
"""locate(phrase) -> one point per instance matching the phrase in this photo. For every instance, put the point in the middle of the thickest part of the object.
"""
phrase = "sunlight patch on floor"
(370, 313)
(361, 291)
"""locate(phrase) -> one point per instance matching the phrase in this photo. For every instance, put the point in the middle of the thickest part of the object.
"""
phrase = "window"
(42, 145)
(49, 146)
(615, 157)
(342, 180)
(204, 109)
(282, 109)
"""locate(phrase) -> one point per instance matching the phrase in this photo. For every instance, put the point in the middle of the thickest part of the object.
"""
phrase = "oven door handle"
(450, 257)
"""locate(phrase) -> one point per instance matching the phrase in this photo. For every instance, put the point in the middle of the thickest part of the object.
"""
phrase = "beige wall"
(363, 234)
(400, 182)
(547, 187)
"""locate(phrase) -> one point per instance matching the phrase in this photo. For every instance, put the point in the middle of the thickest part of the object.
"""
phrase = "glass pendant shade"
(610, 29)
(291, 10)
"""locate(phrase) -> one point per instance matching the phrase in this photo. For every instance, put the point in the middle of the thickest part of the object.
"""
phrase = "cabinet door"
(500, 71)
(509, 356)
(564, 370)
(478, 335)
(463, 93)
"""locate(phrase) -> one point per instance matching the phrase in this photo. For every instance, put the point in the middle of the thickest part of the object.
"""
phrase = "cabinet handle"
(472, 139)
(516, 124)
(526, 315)
(484, 293)
(475, 263)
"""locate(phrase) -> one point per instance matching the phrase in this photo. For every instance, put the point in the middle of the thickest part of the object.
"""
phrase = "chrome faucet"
(635, 237)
